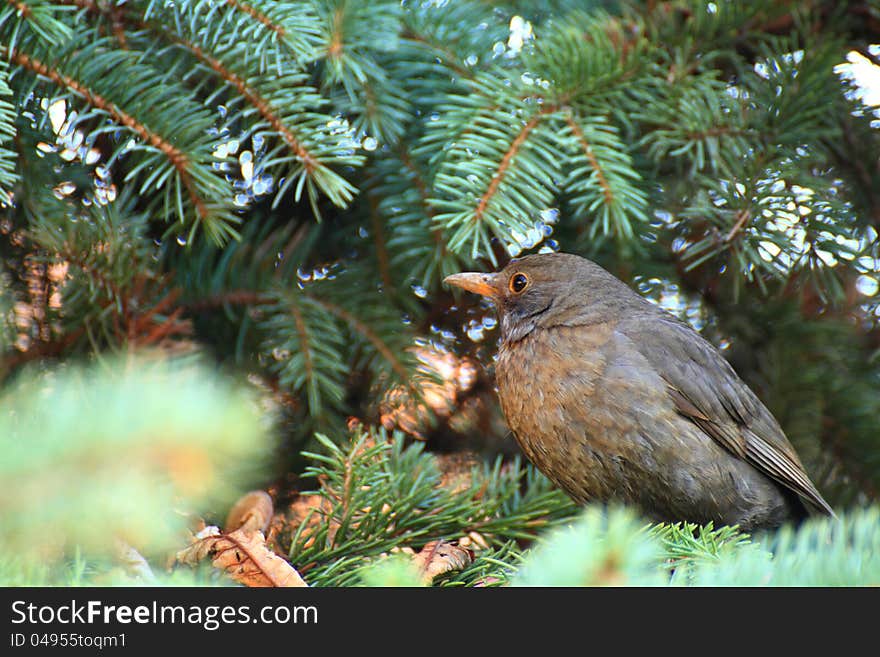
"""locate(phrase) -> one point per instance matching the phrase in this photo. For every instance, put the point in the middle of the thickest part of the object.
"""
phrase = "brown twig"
(367, 332)
(379, 239)
(742, 218)
(259, 16)
(607, 193)
(177, 158)
(263, 106)
(503, 166)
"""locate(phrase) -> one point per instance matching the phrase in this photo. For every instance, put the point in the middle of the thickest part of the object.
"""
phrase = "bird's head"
(543, 290)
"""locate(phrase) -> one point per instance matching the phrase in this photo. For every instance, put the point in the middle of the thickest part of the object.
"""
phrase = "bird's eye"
(518, 283)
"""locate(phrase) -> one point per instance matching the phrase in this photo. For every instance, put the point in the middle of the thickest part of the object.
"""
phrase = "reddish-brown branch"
(74, 259)
(381, 249)
(419, 180)
(588, 151)
(742, 218)
(450, 57)
(305, 347)
(259, 16)
(335, 48)
(22, 8)
(714, 132)
(511, 153)
(261, 104)
(10, 361)
(422, 187)
(233, 298)
(368, 333)
(177, 158)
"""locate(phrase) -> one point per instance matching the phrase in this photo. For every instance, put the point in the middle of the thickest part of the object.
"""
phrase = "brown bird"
(614, 399)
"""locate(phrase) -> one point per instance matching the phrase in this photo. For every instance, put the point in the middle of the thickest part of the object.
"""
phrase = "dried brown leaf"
(473, 541)
(245, 557)
(438, 557)
(314, 510)
(199, 547)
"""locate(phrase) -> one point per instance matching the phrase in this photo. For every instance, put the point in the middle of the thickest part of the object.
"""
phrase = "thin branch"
(450, 57)
(419, 180)
(719, 131)
(367, 332)
(334, 49)
(305, 347)
(259, 16)
(379, 238)
(422, 187)
(607, 193)
(262, 105)
(742, 218)
(512, 151)
(177, 158)
(10, 361)
(233, 298)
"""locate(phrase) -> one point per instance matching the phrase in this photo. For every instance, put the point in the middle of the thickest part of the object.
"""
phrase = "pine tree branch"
(232, 297)
(254, 98)
(449, 57)
(360, 327)
(259, 16)
(422, 188)
(261, 104)
(379, 241)
(509, 154)
(177, 158)
(334, 48)
(742, 219)
(588, 151)
(10, 361)
(96, 275)
(303, 334)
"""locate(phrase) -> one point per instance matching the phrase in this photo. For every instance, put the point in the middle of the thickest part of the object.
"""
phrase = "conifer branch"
(449, 57)
(177, 158)
(588, 151)
(304, 344)
(231, 297)
(379, 240)
(508, 157)
(261, 104)
(422, 187)
(258, 15)
(269, 113)
(334, 48)
(360, 327)
(742, 218)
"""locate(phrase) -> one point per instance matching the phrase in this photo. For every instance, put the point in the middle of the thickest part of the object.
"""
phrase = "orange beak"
(484, 284)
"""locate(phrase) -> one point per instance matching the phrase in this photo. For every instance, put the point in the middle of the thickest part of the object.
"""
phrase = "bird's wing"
(705, 388)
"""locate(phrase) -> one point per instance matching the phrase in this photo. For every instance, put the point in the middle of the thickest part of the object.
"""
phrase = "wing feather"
(705, 389)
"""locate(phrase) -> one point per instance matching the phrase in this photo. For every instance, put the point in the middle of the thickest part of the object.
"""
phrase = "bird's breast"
(547, 385)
